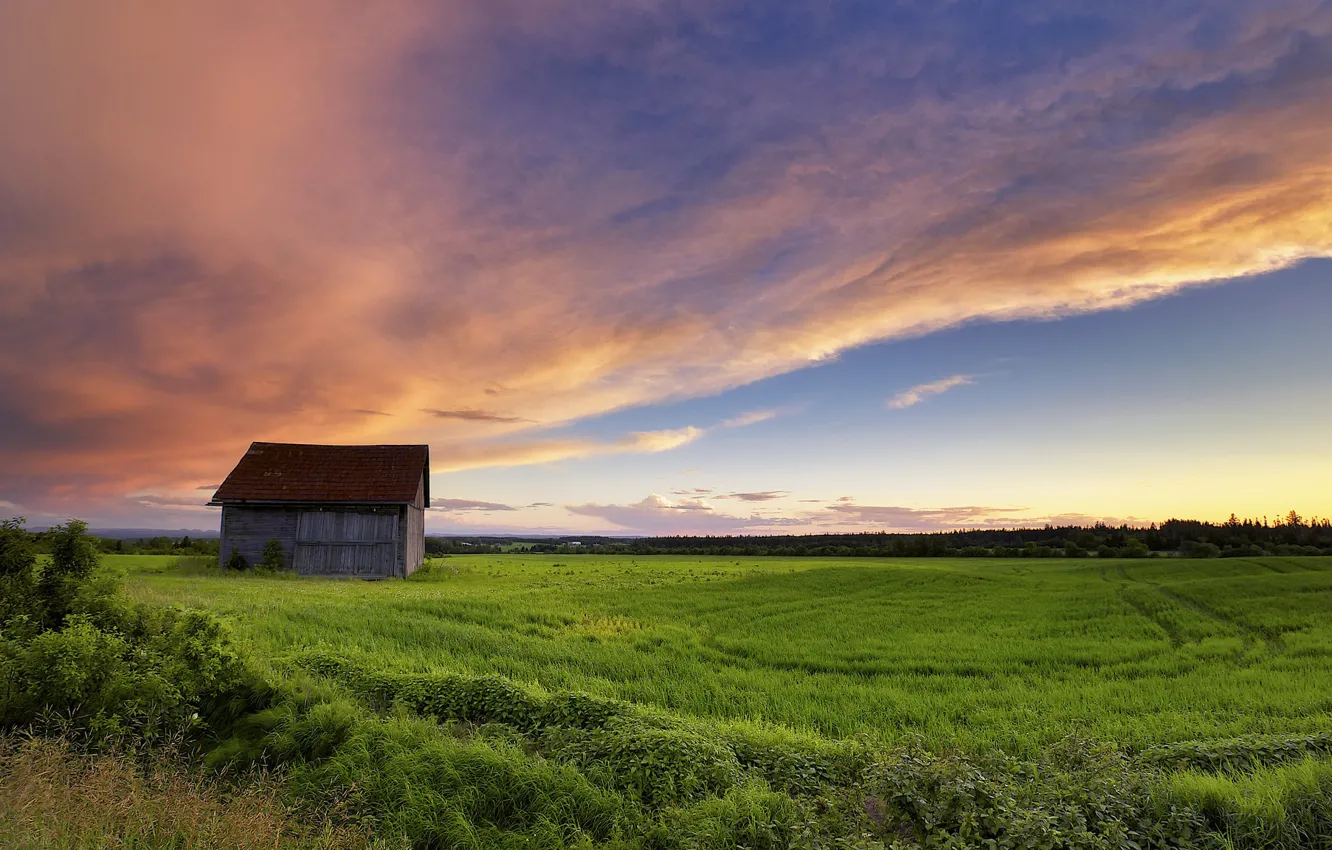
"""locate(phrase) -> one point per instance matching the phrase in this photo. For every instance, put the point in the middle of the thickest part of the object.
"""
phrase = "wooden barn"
(336, 510)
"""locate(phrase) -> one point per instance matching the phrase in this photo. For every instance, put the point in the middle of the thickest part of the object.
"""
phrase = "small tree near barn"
(273, 560)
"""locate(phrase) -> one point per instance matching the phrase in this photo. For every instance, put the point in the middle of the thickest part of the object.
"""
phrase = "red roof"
(293, 472)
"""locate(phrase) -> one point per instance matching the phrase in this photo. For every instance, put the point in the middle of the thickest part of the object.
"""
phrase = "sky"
(697, 266)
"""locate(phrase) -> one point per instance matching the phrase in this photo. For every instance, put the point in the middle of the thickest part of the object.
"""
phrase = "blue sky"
(852, 265)
(1218, 398)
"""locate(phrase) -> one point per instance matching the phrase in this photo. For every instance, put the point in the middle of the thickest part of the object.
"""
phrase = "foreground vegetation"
(543, 702)
(55, 796)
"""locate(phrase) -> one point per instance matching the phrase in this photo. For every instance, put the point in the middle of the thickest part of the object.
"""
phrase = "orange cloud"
(519, 453)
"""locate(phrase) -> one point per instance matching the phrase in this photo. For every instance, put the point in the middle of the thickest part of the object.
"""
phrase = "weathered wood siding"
(351, 526)
(354, 542)
(246, 529)
(373, 541)
(374, 560)
(414, 546)
(361, 540)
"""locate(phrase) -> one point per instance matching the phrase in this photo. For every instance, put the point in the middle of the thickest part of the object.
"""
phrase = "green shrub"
(273, 558)
(443, 696)
(108, 682)
(1199, 549)
(1078, 795)
(105, 668)
(652, 766)
(237, 562)
(73, 561)
(800, 771)
(18, 568)
(1134, 549)
(412, 780)
(582, 711)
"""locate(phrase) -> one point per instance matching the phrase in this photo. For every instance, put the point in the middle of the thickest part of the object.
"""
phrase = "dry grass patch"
(54, 798)
(594, 626)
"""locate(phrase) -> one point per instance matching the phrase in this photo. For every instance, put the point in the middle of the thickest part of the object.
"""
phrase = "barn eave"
(299, 503)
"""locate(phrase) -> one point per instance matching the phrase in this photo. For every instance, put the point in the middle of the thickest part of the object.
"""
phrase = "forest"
(1234, 538)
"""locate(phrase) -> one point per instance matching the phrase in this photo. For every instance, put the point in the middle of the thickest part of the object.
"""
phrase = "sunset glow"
(673, 267)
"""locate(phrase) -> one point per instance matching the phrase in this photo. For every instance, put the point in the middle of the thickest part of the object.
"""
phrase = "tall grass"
(54, 797)
(1285, 805)
(1013, 655)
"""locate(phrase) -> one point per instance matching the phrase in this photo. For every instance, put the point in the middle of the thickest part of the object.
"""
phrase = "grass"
(524, 701)
(1290, 803)
(53, 797)
(976, 654)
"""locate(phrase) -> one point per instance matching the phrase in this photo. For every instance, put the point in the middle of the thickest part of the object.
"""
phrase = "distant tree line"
(1289, 535)
(436, 546)
(45, 541)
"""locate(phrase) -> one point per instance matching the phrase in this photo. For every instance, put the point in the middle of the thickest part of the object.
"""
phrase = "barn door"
(346, 543)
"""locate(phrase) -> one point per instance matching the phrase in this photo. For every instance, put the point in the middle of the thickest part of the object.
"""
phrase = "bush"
(652, 766)
(149, 679)
(237, 562)
(103, 667)
(1134, 549)
(1199, 549)
(273, 559)
(18, 569)
(73, 561)
(1247, 550)
(1079, 795)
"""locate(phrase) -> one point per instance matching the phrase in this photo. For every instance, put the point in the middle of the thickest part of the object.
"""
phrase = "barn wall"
(354, 540)
(414, 546)
(246, 529)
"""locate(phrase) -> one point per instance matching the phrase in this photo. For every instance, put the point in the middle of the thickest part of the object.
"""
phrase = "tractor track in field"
(1270, 638)
(1126, 582)
(1172, 633)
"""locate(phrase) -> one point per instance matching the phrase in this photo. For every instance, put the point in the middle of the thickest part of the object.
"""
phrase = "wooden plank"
(347, 527)
(321, 542)
(310, 559)
(414, 544)
(246, 529)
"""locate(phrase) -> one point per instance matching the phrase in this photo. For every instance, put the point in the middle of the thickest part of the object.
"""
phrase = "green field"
(670, 703)
(976, 654)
